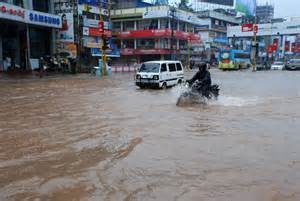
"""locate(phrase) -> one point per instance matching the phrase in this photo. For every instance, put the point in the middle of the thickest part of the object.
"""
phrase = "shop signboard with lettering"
(95, 23)
(11, 12)
(92, 42)
(284, 28)
(16, 13)
(43, 19)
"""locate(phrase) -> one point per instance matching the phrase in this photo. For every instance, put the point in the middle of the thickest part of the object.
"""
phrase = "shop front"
(25, 36)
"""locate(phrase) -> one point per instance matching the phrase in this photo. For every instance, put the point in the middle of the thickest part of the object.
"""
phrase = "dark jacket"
(203, 77)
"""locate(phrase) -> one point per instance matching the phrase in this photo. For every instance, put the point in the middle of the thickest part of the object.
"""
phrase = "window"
(179, 67)
(147, 24)
(181, 26)
(164, 23)
(42, 6)
(150, 68)
(128, 26)
(146, 43)
(128, 44)
(164, 43)
(117, 26)
(163, 68)
(15, 2)
(190, 28)
(172, 67)
(242, 56)
(39, 42)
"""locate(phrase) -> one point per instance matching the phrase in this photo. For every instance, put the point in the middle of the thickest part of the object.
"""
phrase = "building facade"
(264, 13)
(154, 33)
(278, 40)
(213, 29)
(81, 36)
(27, 32)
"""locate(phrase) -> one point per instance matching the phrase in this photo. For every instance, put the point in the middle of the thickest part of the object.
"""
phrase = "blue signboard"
(112, 52)
(221, 40)
(43, 19)
(104, 3)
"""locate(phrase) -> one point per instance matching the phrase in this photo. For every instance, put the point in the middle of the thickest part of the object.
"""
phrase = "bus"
(234, 59)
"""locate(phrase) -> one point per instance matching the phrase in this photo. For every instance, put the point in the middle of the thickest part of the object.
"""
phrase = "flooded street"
(82, 138)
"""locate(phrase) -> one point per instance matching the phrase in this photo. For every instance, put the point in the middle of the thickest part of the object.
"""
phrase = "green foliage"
(184, 5)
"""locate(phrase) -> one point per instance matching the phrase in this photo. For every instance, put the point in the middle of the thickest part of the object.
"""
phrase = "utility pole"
(77, 38)
(255, 30)
(172, 12)
(254, 58)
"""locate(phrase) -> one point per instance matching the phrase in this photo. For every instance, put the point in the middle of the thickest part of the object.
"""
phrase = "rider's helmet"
(202, 67)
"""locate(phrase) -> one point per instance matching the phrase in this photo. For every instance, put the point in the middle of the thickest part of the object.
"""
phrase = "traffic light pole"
(254, 58)
(189, 54)
(103, 56)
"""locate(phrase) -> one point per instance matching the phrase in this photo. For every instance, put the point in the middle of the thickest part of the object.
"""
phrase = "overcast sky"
(283, 8)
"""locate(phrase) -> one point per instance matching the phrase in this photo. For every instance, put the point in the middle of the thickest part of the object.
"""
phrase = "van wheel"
(179, 81)
(164, 86)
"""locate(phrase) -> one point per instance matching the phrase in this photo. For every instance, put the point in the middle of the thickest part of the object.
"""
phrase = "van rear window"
(172, 67)
(163, 68)
(179, 67)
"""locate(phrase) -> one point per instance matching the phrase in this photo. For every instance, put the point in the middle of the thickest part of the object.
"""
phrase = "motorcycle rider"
(203, 77)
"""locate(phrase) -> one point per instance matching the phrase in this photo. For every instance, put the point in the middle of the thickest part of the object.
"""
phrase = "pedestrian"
(41, 67)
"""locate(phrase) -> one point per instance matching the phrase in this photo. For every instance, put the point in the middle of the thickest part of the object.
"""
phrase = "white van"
(160, 74)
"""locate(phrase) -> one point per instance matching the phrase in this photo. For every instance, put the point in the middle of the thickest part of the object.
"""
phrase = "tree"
(183, 5)
(161, 2)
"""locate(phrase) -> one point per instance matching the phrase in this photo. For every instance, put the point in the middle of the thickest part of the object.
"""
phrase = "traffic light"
(105, 42)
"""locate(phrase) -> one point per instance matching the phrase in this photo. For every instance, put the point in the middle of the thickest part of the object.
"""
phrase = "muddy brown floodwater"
(81, 138)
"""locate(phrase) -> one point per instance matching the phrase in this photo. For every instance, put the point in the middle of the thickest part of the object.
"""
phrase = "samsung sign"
(16, 13)
(43, 19)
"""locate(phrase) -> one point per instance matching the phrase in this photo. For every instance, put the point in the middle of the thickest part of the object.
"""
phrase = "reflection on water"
(81, 138)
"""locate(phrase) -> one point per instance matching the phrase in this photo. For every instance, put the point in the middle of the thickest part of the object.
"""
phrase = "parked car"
(159, 74)
(278, 65)
(293, 64)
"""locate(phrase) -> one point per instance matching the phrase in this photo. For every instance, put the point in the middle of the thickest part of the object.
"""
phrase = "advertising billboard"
(248, 7)
(221, 2)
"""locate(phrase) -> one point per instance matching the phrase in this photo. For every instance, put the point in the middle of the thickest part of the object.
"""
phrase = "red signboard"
(127, 51)
(157, 33)
(97, 32)
(151, 51)
(247, 27)
(12, 11)
(296, 47)
(272, 48)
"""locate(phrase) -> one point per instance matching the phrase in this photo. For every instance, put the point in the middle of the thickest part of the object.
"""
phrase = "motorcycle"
(198, 94)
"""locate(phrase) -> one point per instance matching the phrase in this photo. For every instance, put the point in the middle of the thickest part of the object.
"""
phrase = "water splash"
(229, 101)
